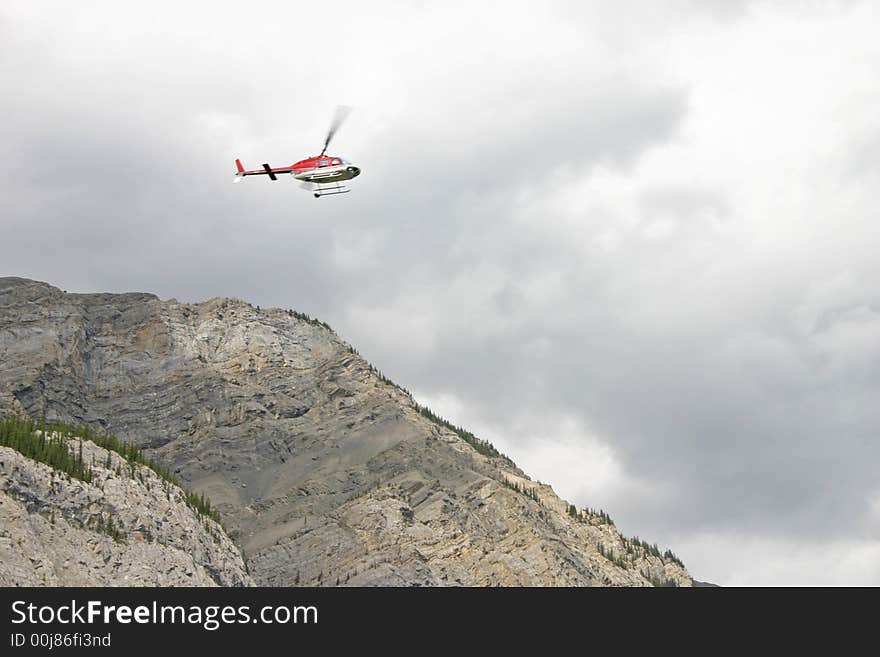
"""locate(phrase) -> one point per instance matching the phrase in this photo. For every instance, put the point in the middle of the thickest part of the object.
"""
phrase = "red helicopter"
(321, 173)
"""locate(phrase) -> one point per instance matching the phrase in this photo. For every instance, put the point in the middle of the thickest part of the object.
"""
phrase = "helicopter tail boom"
(266, 170)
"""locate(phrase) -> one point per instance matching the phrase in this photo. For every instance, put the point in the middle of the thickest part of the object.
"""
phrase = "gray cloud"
(561, 238)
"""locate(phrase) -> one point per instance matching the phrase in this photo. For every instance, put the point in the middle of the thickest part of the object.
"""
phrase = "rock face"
(59, 531)
(323, 472)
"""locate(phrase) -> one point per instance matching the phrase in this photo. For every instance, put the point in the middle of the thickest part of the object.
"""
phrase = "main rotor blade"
(342, 112)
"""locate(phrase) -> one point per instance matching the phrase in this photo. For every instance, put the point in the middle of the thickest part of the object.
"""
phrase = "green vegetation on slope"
(314, 321)
(484, 447)
(529, 491)
(634, 546)
(651, 549)
(36, 442)
(48, 443)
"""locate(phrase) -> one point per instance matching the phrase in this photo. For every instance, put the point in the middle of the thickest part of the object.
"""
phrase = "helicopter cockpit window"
(335, 161)
(322, 163)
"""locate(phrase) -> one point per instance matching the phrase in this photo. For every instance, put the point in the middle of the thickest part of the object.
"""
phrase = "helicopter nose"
(354, 171)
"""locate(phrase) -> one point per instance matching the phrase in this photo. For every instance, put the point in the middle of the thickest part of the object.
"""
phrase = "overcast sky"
(635, 247)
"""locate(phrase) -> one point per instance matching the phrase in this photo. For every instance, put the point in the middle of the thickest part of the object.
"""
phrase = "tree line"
(49, 443)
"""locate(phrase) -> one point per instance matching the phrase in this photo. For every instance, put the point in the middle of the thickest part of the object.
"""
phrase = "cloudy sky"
(635, 247)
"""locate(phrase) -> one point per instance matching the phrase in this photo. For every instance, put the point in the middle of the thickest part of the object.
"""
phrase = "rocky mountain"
(125, 527)
(324, 472)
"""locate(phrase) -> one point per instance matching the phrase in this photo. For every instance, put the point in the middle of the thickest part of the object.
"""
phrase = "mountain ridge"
(324, 471)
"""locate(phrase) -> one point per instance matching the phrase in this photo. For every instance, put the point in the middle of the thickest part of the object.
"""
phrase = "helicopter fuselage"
(319, 169)
(324, 169)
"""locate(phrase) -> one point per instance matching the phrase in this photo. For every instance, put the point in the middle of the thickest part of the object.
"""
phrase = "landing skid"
(330, 190)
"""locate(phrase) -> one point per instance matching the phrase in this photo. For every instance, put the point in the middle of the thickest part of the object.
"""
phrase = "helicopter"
(321, 174)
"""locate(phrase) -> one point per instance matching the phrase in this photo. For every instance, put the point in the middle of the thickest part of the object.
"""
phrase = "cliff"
(324, 472)
(125, 526)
